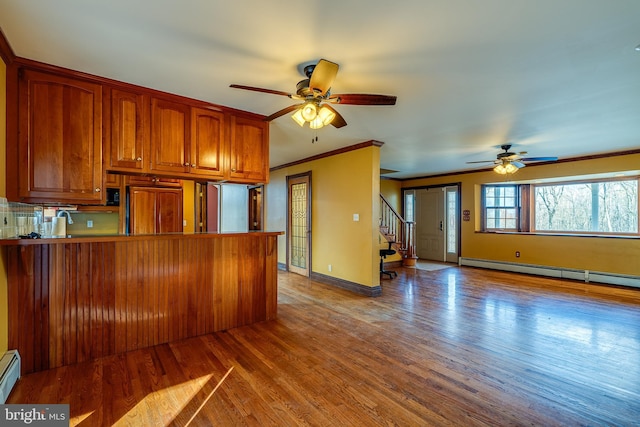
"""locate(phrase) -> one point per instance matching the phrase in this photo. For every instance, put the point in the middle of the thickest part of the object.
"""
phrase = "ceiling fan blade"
(363, 99)
(518, 164)
(323, 75)
(483, 161)
(338, 121)
(259, 89)
(539, 159)
(282, 112)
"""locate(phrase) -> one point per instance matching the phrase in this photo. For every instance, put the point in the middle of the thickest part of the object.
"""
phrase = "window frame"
(526, 209)
(517, 207)
(532, 208)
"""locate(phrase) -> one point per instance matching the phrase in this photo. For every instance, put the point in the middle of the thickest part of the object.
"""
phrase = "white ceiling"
(553, 77)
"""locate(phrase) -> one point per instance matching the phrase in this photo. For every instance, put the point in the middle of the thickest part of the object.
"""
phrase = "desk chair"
(383, 255)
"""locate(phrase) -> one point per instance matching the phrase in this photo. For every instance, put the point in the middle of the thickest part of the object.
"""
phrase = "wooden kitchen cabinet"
(209, 149)
(153, 181)
(188, 140)
(170, 136)
(249, 150)
(127, 130)
(155, 210)
(59, 153)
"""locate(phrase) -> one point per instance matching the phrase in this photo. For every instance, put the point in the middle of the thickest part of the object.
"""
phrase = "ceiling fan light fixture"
(309, 111)
(505, 168)
(326, 115)
(316, 123)
(297, 116)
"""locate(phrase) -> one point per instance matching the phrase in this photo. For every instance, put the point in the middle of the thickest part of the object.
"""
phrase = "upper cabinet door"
(249, 150)
(208, 147)
(130, 129)
(60, 139)
(170, 133)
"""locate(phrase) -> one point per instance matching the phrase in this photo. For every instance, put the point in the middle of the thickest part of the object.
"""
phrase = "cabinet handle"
(186, 164)
(97, 190)
(193, 165)
(233, 169)
(139, 159)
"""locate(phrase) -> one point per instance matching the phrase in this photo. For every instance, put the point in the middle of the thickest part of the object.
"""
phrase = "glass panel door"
(299, 225)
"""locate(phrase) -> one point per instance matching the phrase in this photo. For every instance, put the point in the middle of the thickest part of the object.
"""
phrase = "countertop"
(120, 237)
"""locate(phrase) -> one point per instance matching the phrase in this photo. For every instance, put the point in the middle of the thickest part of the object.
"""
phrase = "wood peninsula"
(73, 300)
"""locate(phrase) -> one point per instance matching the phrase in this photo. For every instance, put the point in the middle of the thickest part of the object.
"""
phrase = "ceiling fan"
(315, 95)
(510, 162)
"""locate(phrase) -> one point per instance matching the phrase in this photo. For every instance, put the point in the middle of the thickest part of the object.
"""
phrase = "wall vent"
(9, 373)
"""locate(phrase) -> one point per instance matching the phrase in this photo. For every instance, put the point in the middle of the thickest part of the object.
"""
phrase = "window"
(501, 207)
(587, 207)
(595, 207)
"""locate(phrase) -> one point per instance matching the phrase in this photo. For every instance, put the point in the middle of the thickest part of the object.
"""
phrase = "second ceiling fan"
(510, 162)
(315, 95)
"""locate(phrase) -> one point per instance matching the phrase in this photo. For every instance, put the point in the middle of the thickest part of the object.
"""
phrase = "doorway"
(437, 222)
(299, 223)
(255, 207)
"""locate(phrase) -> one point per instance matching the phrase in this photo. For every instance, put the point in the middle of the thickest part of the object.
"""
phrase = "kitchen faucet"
(62, 212)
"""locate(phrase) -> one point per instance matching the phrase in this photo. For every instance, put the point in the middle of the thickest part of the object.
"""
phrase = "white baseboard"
(563, 273)
(9, 373)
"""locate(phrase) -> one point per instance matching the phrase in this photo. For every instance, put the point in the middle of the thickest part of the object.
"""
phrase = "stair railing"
(404, 231)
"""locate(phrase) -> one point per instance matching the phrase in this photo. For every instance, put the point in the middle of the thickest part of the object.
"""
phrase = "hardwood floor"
(458, 346)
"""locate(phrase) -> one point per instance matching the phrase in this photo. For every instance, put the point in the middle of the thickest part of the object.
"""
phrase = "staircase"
(399, 232)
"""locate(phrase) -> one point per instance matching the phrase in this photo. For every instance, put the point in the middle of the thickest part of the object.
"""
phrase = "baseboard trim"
(370, 291)
(562, 273)
(9, 373)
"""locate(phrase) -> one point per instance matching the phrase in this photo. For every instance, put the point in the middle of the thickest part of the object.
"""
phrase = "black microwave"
(113, 197)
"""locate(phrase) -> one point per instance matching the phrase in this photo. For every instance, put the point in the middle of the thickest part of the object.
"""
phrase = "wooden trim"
(371, 143)
(370, 291)
(6, 53)
(567, 160)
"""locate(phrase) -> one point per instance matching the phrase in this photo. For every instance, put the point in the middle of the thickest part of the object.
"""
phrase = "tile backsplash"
(19, 219)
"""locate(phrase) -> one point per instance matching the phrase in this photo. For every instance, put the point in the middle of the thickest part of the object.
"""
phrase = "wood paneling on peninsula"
(79, 299)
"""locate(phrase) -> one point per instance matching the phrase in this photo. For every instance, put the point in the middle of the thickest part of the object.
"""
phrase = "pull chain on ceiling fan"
(315, 93)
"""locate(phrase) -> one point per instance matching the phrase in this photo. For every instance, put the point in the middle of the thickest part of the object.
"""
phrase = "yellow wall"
(611, 255)
(188, 206)
(392, 191)
(4, 328)
(341, 185)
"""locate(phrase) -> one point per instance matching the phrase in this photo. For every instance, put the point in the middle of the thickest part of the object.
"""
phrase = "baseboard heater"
(9, 373)
(562, 273)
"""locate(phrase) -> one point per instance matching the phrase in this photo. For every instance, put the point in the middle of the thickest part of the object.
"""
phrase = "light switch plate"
(356, 217)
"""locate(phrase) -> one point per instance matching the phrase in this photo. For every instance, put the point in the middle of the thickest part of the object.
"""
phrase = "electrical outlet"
(89, 224)
(517, 254)
(329, 268)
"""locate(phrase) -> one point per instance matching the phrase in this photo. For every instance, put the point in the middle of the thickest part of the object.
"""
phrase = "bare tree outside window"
(606, 207)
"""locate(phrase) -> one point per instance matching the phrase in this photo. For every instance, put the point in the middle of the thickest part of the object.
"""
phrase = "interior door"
(430, 242)
(255, 208)
(299, 224)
